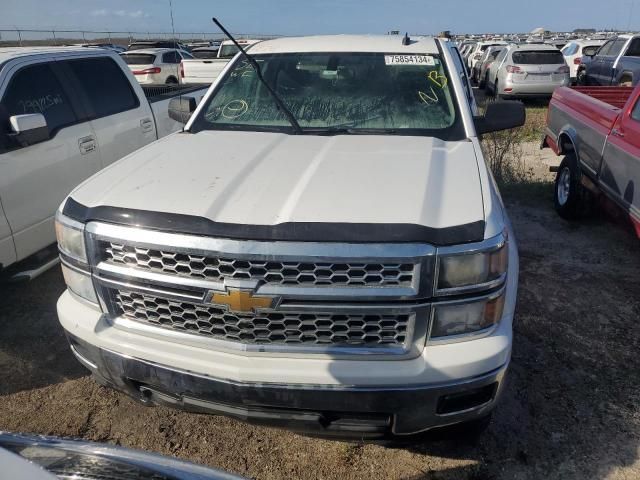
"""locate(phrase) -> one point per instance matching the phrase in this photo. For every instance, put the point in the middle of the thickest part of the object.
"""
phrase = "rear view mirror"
(29, 128)
(501, 115)
(181, 108)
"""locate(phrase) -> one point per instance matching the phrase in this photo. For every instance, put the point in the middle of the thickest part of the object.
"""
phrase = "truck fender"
(568, 141)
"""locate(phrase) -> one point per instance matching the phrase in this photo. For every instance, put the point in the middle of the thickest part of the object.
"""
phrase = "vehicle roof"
(205, 49)
(8, 53)
(150, 51)
(523, 47)
(242, 41)
(347, 43)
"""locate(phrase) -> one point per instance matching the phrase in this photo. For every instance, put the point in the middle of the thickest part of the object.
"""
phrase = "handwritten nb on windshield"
(41, 104)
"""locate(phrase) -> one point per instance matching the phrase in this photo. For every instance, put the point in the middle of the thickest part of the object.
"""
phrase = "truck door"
(620, 173)
(120, 116)
(35, 179)
(594, 69)
(7, 248)
(610, 61)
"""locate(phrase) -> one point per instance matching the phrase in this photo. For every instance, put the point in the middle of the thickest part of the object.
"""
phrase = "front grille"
(218, 268)
(315, 329)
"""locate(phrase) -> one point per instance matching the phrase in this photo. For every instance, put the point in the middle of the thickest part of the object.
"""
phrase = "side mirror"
(501, 115)
(181, 108)
(29, 128)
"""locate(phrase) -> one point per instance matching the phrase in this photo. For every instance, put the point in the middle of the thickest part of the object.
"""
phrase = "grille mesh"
(268, 327)
(270, 272)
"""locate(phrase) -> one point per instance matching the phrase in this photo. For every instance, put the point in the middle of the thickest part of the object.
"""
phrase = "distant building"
(585, 31)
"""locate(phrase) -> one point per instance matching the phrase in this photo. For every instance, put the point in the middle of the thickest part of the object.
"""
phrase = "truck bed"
(601, 105)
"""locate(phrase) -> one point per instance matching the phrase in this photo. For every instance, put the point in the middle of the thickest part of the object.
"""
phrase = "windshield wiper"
(292, 120)
(349, 131)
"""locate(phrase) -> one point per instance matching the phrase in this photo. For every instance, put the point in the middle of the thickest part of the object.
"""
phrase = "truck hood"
(270, 179)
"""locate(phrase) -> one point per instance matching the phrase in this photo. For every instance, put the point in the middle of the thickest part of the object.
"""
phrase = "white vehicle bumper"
(447, 384)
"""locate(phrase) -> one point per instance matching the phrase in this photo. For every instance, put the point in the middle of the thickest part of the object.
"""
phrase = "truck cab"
(65, 114)
(323, 247)
(617, 62)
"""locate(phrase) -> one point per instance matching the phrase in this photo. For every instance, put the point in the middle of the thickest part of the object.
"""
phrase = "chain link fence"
(29, 37)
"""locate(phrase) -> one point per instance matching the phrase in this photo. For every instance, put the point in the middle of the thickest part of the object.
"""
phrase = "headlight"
(73, 254)
(70, 235)
(484, 267)
(466, 316)
(79, 283)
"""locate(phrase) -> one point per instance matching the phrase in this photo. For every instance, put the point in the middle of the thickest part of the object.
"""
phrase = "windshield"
(205, 54)
(402, 93)
(539, 57)
(138, 58)
(228, 51)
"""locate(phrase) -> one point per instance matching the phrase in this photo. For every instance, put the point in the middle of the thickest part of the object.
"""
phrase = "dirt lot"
(570, 409)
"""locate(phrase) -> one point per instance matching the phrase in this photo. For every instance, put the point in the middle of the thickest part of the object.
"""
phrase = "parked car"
(575, 50)
(65, 113)
(156, 65)
(597, 129)
(475, 56)
(110, 46)
(38, 457)
(236, 269)
(466, 51)
(527, 70)
(206, 70)
(483, 70)
(147, 44)
(617, 62)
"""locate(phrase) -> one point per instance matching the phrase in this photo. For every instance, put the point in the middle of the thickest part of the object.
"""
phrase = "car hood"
(267, 179)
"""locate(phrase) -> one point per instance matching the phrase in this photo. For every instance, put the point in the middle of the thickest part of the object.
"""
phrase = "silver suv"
(527, 71)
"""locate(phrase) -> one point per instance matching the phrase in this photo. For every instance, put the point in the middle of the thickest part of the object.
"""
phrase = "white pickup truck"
(65, 113)
(206, 70)
(323, 247)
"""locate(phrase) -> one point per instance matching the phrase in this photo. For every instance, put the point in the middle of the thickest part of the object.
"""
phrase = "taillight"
(181, 70)
(147, 71)
(577, 60)
(513, 69)
(563, 69)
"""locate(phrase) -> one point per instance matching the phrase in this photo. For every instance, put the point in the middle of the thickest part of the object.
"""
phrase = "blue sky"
(323, 16)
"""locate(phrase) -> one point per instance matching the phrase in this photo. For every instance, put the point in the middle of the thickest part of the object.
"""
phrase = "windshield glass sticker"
(235, 109)
(437, 78)
(409, 60)
(430, 98)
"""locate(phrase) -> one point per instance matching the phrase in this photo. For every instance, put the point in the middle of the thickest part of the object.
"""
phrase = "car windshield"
(138, 58)
(538, 57)
(327, 91)
(228, 51)
(205, 54)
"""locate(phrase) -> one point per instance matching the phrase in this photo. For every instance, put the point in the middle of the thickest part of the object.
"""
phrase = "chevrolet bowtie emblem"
(241, 300)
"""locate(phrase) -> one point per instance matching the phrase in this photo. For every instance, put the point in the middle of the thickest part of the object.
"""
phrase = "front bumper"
(327, 410)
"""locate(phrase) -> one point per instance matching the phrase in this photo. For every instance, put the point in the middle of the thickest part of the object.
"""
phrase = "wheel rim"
(564, 186)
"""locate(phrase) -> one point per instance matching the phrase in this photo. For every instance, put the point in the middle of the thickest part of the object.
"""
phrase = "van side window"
(36, 89)
(106, 86)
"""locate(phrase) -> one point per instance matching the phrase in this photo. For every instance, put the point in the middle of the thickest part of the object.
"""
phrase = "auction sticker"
(409, 60)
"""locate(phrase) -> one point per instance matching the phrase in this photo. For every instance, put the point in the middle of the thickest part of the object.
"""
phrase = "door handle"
(617, 133)
(146, 124)
(87, 144)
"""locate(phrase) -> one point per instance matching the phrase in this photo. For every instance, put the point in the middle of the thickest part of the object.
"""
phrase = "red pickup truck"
(597, 129)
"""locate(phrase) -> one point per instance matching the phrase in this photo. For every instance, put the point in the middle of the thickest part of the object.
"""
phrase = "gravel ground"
(570, 409)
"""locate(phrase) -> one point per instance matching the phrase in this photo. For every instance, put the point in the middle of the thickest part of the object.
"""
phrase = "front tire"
(571, 199)
(172, 81)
